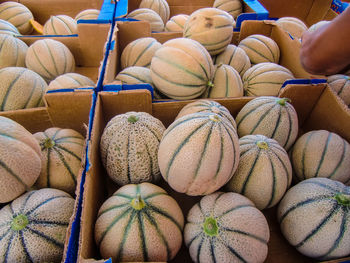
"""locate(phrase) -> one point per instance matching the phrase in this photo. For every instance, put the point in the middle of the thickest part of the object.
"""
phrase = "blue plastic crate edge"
(107, 9)
(116, 88)
(304, 81)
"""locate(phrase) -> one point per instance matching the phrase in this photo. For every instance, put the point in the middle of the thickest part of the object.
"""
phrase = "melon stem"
(138, 203)
(49, 143)
(133, 119)
(19, 222)
(210, 226)
(214, 118)
(343, 199)
(262, 145)
(210, 84)
(283, 101)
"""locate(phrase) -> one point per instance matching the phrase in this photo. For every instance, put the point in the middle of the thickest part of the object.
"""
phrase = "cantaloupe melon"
(314, 217)
(20, 88)
(8, 28)
(88, 14)
(233, 7)
(317, 25)
(294, 26)
(211, 27)
(60, 25)
(135, 75)
(225, 228)
(264, 171)
(260, 48)
(198, 153)
(265, 79)
(50, 59)
(273, 117)
(139, 52)
(321, 153)
(161, 7)
(20, 160)
(18, 15)
(12, 51)
(61, 151)
(176, 23)
(182, 69)
(235, 57)
(341, 85)
(139, 223)
(34, 226)
(129, 147)
(70, 81)
(146, 14)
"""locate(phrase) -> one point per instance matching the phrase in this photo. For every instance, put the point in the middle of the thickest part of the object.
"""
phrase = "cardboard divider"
(308, 101)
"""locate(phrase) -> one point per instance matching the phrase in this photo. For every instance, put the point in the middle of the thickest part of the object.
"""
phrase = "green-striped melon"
(129, 146)
(61, 151)
(88, 14)
(321, 153)
(161, 7)
(210, 106)
(226, 83)
(176, 23)
(341, 85)
(146, 14)
(60, 25)
(233, 7)
(135, 75)
(12, 51)
(294, 26)
(273, 117)
(198, 153)
(264, 171)
(139, 52)
(70, 81)
(8, 28)
(235, 57)
(139, 222)
(182, 69)
(265, 79)
(211, 27)
(18, 15)
(50, 59)
(20, 88)
(314, 217)
(225, 228)
(20, 159)
(318, 25)
(260, 48)
(34, 226)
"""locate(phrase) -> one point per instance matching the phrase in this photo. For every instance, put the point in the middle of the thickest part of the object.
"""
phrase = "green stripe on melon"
(18, 15)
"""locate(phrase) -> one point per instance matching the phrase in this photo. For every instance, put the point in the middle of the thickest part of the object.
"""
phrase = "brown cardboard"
(308, 101)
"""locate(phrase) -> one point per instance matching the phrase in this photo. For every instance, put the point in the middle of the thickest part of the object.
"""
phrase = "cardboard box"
(312, 103)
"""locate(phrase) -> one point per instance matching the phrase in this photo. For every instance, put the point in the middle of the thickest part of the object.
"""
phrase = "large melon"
(18, 15)
(146, 14)
(20, 160)
(182, 69)
(211, 27)
(226, 228)
(176, 23)
(20, 88)
(50, 58)
(12, 51)
(321, 153)
(139, 223)
(161, 7)
(8, 28)
(61, 151)
(341, 85)
(34, 226)
(314, 217)
(233, 7)
(60, 25)
(70, 81)
(139, 52)
(198, 153)
(264, 171)
(87, 14)
(129, 147)
(273, 117)
(292, 25)
(265, 79)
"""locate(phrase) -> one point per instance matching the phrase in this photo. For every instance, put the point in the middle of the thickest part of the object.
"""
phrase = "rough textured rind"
(60, 25)
(146, 14)
(341, 85)
(18, 15)
(233, 7)
(161, 7)
(88, 14)
(12, 51)
(176, 23)
(135, 75)
(292, 25)
(8, 28)
(70, 81)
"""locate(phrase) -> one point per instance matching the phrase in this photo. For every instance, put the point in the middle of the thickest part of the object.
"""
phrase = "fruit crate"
(312, 103)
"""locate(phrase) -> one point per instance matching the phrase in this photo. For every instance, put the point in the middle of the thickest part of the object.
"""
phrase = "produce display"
(13, 51)
(88, 14)
(7, 28)
(176, 23)
(18, 15)
(161, 7)
(146, 14)
(60, 25)
(341, 85)
(70, 81)
(292, 25)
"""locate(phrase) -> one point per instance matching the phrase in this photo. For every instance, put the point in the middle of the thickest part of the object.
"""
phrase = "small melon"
(233, 7)
(12, 51)
(8, 28)
(18, 15)
(292, 25)
(135, 75)
(161, 7)
(88, 14)
(317, 25)
(176, 23)
(146, 14)
(70, 81)
(60, 25)
(341, 85)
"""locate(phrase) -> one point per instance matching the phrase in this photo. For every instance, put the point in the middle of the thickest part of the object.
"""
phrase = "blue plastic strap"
(94, 21)
(69, 90)
(41, 36)
(304, 81)
(260, 13)
(116, 88)
(339, 6)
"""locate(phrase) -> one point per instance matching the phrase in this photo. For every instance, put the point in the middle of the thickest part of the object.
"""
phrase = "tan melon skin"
(176, 23)
(318, 25)
(8, 28)
(70, 81)
(260, 48)
(260, 185)
(20, 153)
(211, 27)
(54, 173)
(60, 25)
(139, 52)
(161, 7)
(88, 14)
(58, 209)
(13, 51)
(292, 25)
(341, 85)
(146, 14)
(50, 59)
(302, 221)
(247, 219)
(135, 75)
(307, 153)
(233, 7)
(131, 249)
(18, 15)
(20, 88)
